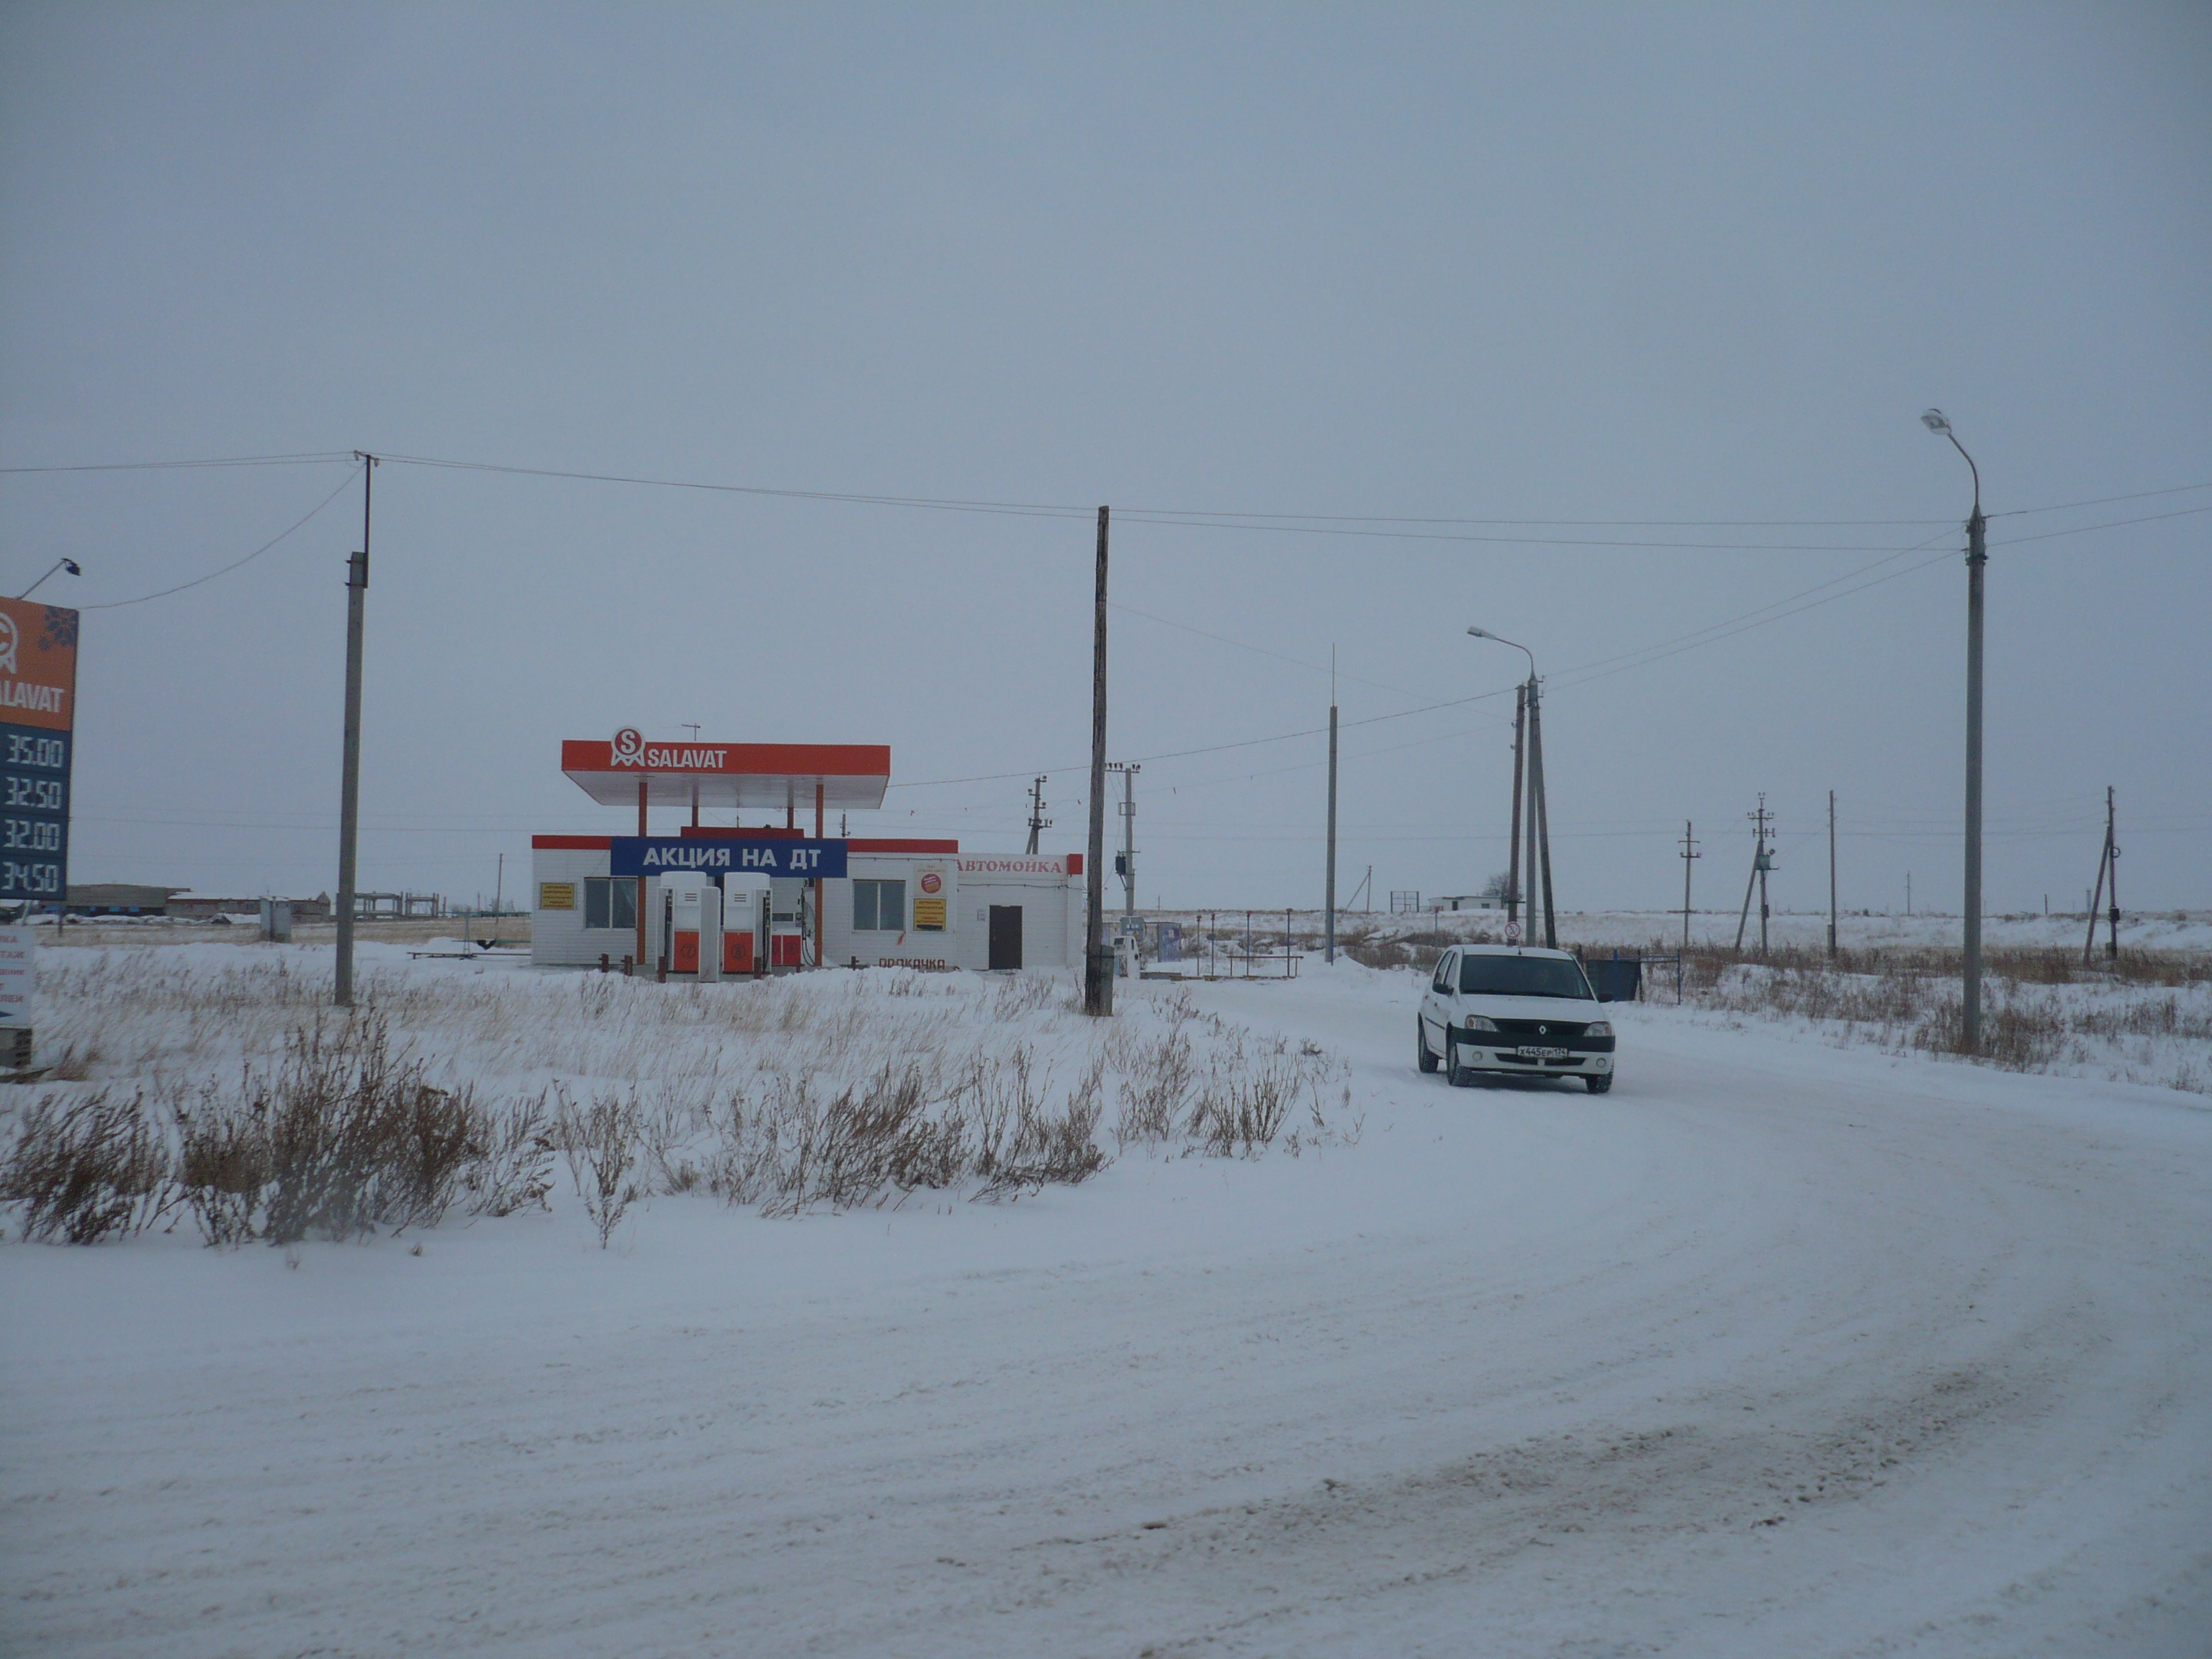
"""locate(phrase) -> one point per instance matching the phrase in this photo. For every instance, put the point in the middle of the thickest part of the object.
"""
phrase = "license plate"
(1530, 1052)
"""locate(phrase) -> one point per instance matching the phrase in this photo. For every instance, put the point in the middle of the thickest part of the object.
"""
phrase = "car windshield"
(1522, 976)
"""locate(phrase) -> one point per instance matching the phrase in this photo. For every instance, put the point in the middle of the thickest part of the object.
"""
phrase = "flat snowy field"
(1776, 1349)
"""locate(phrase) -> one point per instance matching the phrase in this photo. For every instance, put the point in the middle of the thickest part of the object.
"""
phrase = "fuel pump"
(745, 922)
(690, 918)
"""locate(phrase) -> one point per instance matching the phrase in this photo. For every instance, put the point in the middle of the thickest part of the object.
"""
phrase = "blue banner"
(34, 785)
(654, 856)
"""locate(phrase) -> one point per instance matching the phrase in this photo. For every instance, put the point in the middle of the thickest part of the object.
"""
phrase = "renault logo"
(1543, 1030)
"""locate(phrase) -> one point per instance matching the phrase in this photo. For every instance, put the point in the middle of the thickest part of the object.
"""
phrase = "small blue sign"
(719, 855)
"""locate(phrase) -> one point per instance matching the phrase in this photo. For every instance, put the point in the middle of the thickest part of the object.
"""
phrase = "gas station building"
(723, 899)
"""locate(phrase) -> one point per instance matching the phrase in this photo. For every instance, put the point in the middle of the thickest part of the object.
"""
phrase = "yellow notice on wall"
(929, 915)
(556, 895)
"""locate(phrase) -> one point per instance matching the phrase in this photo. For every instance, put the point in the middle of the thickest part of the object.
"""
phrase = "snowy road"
(1774, 1350)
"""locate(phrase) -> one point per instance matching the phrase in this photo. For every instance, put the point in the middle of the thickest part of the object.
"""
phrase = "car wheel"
(1459, 1076)
(1598, 1085)
(1422, 1057)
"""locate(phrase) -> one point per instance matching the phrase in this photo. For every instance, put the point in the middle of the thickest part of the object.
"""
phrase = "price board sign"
(38, 713)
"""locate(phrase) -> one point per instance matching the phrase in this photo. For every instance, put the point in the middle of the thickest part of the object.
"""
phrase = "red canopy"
(853, 776)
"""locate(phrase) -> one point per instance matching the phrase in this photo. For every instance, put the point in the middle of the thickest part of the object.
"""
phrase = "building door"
(1006, 936)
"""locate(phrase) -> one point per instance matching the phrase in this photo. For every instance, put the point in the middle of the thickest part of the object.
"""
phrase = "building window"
(879, 906)
(610, 901)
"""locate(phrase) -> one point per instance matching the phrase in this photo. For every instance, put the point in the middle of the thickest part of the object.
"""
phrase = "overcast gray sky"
(1639, 268)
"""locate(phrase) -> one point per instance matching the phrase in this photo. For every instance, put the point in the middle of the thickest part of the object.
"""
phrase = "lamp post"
(1978, 560)
(1539, 826)
(69, 565)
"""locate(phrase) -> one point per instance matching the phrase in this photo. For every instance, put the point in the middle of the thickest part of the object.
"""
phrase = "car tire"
(1422, 1057)
(1459, 1076)
(1598, 1085)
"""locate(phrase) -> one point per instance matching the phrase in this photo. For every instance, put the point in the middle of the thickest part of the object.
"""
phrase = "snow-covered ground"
(1776, 1349)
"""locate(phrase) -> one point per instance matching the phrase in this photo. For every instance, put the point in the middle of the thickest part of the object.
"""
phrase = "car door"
(1435, 1002)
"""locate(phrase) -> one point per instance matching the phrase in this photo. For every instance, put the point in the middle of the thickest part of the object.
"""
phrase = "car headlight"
(1598, 1028)
(1477, 1023)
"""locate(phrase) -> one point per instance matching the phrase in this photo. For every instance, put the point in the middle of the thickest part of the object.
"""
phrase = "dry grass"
(453, 1090)
(105, 933)
(2146, 1018)
(86, 1170)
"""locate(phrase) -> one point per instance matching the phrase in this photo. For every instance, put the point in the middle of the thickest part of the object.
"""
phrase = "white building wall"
(1052, 904)
(558, 939)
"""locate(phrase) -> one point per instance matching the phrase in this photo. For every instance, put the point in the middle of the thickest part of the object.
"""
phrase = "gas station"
(715, 901)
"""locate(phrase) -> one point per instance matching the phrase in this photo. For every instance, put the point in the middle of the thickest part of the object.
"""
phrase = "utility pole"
(1760, 863)
(1977, 559)
(1513, 824)
(1831, 875)
(1540, 811)
(350, 766)
(2108, 872)
(1097, 961)
(1128, 858)
(1037, 819)
(1329, 928)
(1689, 852)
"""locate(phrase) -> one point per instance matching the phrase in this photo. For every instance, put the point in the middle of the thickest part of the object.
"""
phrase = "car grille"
(1551, 1027)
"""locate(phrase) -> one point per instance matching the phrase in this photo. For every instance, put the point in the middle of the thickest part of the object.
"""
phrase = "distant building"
(190, 907)
(118, 898)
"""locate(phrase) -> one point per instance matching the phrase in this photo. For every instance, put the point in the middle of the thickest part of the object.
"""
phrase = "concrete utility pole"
(1539, 810)
(1759, 865)
(1978, 558)
(1528, 765)
(1513, 824)
(1128, 844)
(350, 766)
(1098, 960)
(1037, 819)
(1831, 875)
(1329, 928)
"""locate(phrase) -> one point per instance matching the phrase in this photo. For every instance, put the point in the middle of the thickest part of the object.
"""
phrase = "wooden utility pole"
(1097, 961)
(2108, 873)
(1831, 875)
(1513, 823)
(1689, 852)
(1329, 928)
(350, 766)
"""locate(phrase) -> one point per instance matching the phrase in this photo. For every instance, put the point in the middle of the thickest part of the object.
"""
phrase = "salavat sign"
(38, 713)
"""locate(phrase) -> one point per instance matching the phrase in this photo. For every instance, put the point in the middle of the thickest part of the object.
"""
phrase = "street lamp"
(1977, 559)
(1528, 764)
(1485, 634)
(69, 565)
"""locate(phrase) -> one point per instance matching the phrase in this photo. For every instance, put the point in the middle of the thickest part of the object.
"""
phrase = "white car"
(1513, 1011)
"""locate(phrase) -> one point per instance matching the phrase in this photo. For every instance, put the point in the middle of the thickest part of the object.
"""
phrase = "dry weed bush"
(2148, 1018)
(344, 1137)
(601, 1143)
(463, 1090)
(86, 1170)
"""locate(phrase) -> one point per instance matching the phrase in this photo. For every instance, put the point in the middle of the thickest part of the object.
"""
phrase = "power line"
(2098, 501)
(320, 458)
(116, 604)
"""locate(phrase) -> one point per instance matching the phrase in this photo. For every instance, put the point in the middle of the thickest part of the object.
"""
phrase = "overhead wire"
(196, 581)
(319, 458)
